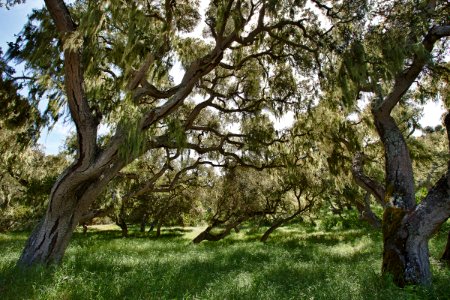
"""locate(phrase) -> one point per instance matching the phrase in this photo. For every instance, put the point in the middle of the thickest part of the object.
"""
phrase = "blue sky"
(12, 21)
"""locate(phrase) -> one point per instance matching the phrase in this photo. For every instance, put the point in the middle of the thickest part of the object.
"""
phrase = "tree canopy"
(188, 86)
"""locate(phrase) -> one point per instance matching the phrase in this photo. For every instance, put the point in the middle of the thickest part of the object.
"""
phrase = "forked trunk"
(407, 227)
(405, 255)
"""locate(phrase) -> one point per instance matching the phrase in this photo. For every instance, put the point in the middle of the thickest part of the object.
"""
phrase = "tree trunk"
(208, 236)
(143, 223)
(446, 255)
(49, 239)
(69, 200)
(406, 235)
(158, 229)
(407, 227)
(123, 226)
(271, 229)
(152, 225)
(405, 256)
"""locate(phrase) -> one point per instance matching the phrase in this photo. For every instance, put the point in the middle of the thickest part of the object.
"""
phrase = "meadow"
(297, 262)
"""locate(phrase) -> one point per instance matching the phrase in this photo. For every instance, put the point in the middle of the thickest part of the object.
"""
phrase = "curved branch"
(364, 181)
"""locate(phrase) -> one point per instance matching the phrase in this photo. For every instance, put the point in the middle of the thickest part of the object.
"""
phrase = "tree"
(113, 62)
(413, 38)
(244, 194)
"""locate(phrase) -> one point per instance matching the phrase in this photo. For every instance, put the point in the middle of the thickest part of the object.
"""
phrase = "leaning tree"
(110, 62)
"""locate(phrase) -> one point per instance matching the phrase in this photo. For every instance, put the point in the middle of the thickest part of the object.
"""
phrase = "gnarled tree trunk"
(70, 199)
(407, 227)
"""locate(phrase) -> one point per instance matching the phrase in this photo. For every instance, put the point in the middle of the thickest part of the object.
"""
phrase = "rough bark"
(407, 228)
(70, 199)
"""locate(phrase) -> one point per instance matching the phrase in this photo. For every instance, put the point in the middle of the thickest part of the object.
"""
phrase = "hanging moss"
(135, 141)
(176, 133)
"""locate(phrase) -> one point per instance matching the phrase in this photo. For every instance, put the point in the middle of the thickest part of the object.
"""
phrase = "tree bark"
(70, 199)
(407, 228)
(95, 166)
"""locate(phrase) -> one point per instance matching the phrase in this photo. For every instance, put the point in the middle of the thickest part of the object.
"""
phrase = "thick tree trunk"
(446, 255)
(48, 242)
(69, 200)
(405, 254)
(123, 226)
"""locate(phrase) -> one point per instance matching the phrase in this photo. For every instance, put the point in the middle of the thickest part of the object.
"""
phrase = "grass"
(296, 263)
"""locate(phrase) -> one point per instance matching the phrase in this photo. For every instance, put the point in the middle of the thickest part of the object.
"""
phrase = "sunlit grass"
(295, 263)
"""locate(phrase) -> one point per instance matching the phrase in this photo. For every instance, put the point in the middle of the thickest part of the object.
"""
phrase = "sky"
(12, 21)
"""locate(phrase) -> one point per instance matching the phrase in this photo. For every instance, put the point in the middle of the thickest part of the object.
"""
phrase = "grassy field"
(296, 263)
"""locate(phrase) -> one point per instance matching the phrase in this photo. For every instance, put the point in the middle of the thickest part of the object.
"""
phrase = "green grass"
(296, 263)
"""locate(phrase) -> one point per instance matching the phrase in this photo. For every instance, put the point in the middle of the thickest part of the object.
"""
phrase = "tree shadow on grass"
(300, 266)
(19, 283)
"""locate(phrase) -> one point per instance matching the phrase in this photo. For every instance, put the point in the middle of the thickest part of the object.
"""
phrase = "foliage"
(25, 183)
